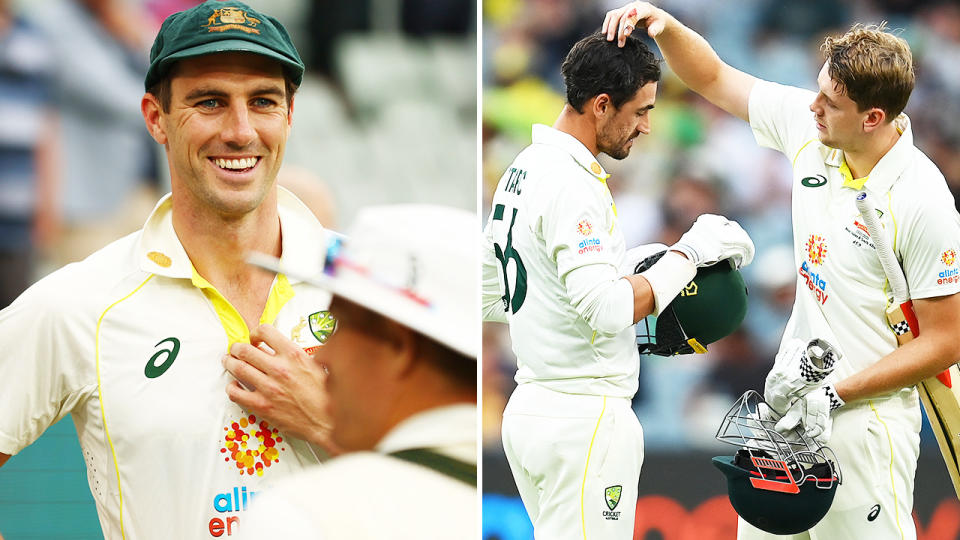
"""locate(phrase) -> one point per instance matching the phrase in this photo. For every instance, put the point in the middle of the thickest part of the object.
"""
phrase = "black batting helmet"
(781, 484)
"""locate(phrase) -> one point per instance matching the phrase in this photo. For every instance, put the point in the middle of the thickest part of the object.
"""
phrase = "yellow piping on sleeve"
(794, 162)
(583, 517)
(103, 413)
(893, 485)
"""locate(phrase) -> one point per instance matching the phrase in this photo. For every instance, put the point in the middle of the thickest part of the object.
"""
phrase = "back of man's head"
(874, 67)
(596, 66)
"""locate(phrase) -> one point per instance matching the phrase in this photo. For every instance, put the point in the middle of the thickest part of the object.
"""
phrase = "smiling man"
(130, 340)
(848, 136)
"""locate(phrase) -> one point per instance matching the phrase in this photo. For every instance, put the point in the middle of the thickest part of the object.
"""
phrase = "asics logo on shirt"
(161, 360)
(814, 181)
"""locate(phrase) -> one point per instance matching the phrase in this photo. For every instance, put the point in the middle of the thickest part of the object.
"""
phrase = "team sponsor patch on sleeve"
(950, 273)
(590, 245)
(949, 257)
(584, 227)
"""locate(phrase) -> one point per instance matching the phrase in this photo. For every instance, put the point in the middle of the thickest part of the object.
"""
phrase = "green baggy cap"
(215, 27)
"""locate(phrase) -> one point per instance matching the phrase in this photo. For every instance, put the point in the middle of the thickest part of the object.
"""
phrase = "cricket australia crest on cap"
(232, 18)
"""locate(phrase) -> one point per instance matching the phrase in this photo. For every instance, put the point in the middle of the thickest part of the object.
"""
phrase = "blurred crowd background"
(387, 113)
(697, 160)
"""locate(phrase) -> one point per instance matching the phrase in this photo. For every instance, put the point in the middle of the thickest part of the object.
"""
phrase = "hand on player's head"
(620, 23)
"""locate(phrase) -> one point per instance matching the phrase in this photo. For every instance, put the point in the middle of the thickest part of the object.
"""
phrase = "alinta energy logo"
(584, 227)
(816, 248)
(949, 257)
(252, 447)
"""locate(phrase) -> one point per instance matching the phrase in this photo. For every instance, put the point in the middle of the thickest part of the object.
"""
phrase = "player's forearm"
(491, 296)
(920, 359)
(657, 286)
(643, 299)
(604, 302)
(689, 55)
(3, 458)
(695, 62)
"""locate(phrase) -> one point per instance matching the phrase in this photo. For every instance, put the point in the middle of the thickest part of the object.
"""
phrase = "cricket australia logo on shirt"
(322, 325)
(612, 497)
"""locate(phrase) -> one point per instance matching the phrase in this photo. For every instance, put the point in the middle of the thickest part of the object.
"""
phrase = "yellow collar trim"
(231, 320)
(848, 179)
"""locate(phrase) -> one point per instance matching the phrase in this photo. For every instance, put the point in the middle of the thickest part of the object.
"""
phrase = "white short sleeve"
(41, 373)
(577, 229)
(929, 244)
(780, 117)
(492, 287)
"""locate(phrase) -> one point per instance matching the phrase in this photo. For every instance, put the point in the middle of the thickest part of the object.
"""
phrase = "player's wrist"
(667, 277)
(835, 400)
(688, 251)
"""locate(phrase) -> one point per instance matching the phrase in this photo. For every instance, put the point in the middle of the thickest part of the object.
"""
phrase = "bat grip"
(888, 259)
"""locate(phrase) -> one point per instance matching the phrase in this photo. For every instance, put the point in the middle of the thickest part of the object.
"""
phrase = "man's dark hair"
(596, 66)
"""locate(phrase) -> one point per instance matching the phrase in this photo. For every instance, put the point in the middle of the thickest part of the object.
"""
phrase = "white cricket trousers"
(877, 443)
(576, 461)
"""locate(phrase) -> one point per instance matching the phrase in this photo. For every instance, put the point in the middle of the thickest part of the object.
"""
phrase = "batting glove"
(714, 238)
(799, 368)
(811, 414)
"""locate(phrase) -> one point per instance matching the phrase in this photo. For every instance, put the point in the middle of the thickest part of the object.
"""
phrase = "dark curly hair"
(596, 66)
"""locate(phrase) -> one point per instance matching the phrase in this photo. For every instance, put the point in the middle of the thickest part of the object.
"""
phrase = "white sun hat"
(413, 263)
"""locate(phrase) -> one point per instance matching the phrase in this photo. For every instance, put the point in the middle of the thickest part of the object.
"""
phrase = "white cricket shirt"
(372, 496)
(129, 342)
(842, 293)
(554, 230)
